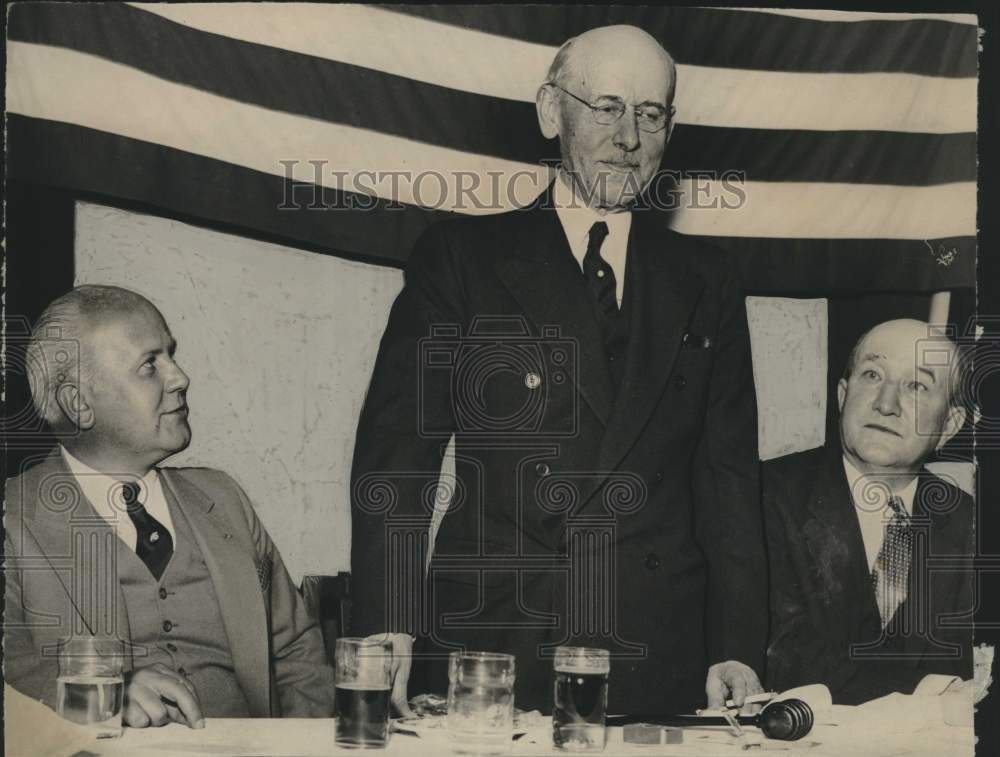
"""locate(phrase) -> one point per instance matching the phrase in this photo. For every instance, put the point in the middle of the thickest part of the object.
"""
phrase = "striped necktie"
(891, 573)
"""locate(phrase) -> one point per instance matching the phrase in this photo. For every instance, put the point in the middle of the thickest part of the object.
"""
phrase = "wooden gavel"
(787, 720)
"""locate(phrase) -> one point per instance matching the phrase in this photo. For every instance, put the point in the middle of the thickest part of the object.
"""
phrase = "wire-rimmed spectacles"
(649, 117)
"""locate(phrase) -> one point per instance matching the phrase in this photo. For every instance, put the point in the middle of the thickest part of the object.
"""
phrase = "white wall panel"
(789, 343)
(279, 344)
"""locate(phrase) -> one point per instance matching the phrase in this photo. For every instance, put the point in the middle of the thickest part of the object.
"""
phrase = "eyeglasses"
(607, 111)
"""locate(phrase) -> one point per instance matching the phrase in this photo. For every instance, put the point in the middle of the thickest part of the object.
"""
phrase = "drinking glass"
(363, 681)
(90, 686)
(481, 702)
(580, 698)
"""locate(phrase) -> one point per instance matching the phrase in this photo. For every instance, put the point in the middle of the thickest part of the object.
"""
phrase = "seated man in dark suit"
(172, 561)
(854, 530)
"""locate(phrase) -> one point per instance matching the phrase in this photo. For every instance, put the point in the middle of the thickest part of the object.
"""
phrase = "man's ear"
(75, 407)
(670, 132)
(952, 424)
(549, 115)
(841, 394)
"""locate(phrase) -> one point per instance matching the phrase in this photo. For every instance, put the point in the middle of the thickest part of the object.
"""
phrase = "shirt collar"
(872, 495)
(577, 217)
(104, 491)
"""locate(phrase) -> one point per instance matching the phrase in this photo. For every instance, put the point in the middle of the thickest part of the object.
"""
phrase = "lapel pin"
(532, 381)
(696, 340)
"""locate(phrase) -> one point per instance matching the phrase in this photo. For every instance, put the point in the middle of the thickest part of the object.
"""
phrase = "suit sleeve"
(23, 667)
(404, 426)
(727, 515)
(302, 674)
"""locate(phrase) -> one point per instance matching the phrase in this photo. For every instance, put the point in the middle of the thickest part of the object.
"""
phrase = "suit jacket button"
(167, 625)
(680, 382)
(162, 593)
(542, 469)
(652, 561)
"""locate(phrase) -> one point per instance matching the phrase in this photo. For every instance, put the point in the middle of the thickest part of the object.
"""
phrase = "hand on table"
(402, 659)
(732, 680)
(157, 695)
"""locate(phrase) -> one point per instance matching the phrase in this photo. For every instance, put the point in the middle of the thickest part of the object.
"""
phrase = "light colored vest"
(178, 623)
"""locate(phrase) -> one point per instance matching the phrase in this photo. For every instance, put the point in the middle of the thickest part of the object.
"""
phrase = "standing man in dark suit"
(594, 368)
(173, 562)
(854, 530)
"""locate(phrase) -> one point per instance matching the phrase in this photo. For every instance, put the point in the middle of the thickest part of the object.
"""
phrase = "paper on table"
(33, 730)
(817, 696)
(898, 724)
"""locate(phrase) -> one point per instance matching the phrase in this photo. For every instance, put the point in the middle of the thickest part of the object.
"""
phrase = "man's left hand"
(732, 680)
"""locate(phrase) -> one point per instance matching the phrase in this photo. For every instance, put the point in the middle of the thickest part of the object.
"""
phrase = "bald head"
(900, 398)
(58, 351)
(608, 100)
(920, 340)
(618, 46)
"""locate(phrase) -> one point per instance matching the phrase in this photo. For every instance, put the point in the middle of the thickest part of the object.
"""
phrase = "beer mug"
(90, 686)
(481, 702)
(363, 684)
(580, 698)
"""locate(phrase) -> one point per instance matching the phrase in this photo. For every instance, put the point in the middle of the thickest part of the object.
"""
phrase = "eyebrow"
(170, 350)
(929, 372)
(872, 356)
(621, 99)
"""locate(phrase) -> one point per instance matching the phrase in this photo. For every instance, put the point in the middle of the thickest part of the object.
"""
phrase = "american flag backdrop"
(852, 135)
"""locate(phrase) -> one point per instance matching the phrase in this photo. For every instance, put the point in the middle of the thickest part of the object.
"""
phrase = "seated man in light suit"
(870, 553)
(173, 561)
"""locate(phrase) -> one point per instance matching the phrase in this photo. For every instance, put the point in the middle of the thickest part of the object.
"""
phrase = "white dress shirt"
(105, 494)
(577, 217)
(871, 503)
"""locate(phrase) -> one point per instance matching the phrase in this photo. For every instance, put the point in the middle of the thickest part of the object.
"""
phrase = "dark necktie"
(892, 566)
(599, 275)
(153, 545)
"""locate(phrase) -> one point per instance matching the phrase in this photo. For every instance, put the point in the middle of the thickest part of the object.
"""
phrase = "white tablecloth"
(894, 726)
(314, 738)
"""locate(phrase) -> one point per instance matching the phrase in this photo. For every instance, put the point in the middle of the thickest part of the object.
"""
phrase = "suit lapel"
(663, 292)
(836, 546)
(545, 279)
(943, 536)
(237, 587)
(76, 540)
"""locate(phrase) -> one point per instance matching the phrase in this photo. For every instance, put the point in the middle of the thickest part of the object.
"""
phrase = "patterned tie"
(892, 566)
(599, 275)
(154, 545)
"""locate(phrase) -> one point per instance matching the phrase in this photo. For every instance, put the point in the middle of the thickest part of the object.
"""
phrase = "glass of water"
(91, 687)
(481, 702)
(580, 698)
